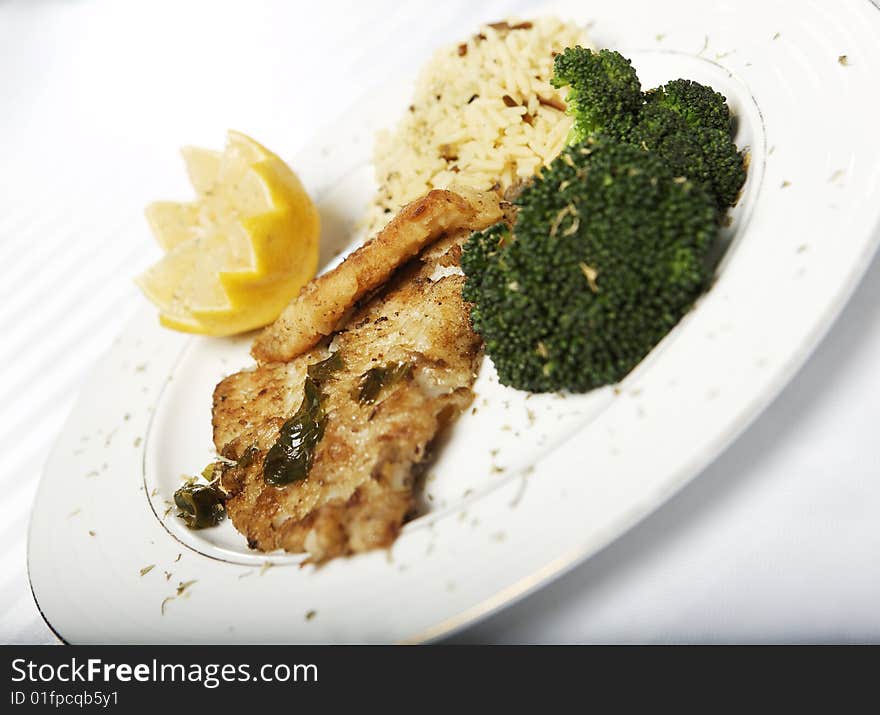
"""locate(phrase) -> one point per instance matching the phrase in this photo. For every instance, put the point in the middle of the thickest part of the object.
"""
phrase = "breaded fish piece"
(359, 488)
(323, 304)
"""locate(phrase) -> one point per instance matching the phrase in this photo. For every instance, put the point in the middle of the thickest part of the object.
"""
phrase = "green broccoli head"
(699, 105)
(608, 251)
(483, 249)
(689, 126)
(604, 93)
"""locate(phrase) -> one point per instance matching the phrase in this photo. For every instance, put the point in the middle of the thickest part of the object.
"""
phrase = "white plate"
(525, 488)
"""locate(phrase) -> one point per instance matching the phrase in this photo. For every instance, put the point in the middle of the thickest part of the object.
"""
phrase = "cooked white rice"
(484, 114)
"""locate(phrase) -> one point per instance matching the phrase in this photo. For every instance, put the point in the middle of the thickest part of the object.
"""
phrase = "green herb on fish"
(290, 458)
(324, 370)
(374, 380)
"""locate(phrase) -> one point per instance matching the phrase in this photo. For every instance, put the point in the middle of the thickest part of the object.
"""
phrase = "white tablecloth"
(778, 540)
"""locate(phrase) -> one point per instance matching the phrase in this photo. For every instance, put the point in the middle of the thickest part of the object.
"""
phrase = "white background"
(779, 540)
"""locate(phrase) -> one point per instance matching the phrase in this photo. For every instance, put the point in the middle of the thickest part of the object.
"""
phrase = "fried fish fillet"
(359, 487)
(322, 306)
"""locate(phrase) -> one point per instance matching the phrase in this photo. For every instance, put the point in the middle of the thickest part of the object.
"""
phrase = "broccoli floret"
(608, 250)
(611, 244)
(482, 251)
(689, 126)
(687, 123)
(702, 154)
(604, 93)
(701, 106)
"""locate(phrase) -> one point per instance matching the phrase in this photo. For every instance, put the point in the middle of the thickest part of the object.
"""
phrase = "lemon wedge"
(237, 255)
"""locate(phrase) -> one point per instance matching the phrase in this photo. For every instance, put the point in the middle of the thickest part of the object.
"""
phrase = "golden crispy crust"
(324, 303)
(359, 488)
